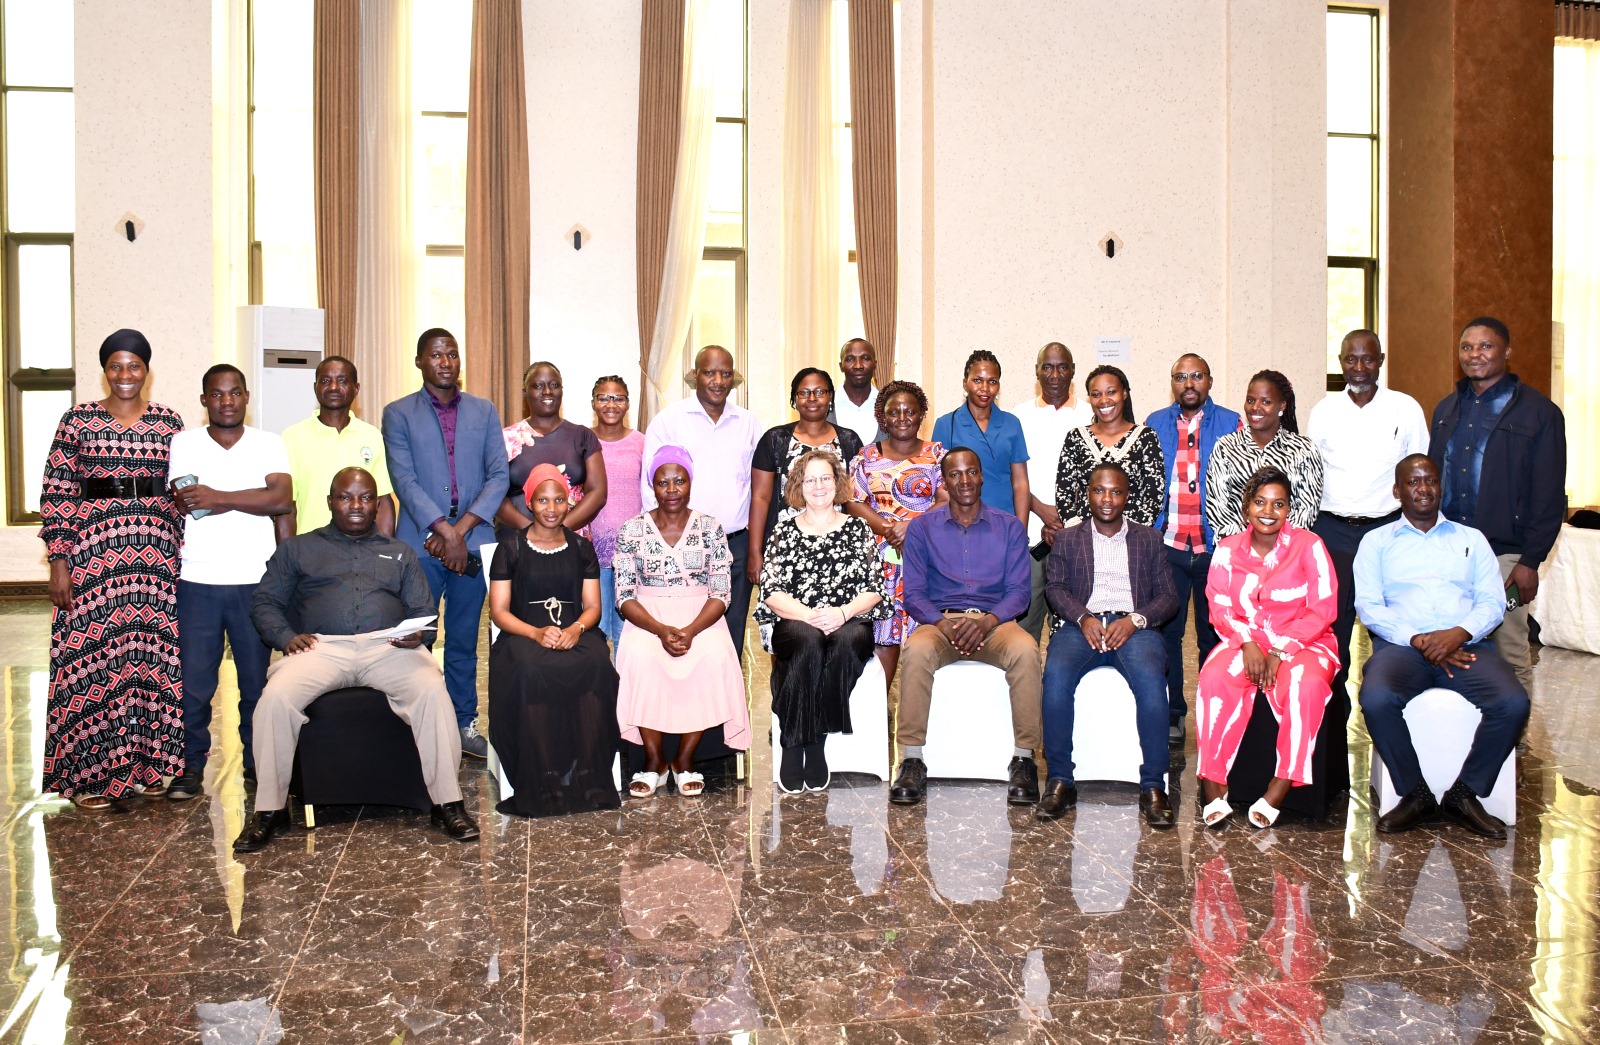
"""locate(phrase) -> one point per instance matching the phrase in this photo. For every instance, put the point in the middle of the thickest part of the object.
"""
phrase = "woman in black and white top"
(1270, 436)
(1112, 436)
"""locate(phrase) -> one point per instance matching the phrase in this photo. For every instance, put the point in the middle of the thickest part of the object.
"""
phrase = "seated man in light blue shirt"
(1429, 591)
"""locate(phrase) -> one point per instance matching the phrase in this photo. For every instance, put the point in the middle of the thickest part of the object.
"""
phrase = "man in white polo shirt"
(1361, 433)
(1046, 420)
(856, 405)
(236, 510)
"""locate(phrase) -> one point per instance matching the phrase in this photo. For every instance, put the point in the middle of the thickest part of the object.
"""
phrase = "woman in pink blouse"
(623, 450)
(1273, 600)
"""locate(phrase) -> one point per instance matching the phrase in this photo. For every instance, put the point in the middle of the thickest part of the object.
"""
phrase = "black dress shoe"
(1156, 808)
(185, 787)
(1059, 796)
(452, 816)
(1024, 774)
(1414, 808)
(267, 823)
(911, 783)
(1462, 805)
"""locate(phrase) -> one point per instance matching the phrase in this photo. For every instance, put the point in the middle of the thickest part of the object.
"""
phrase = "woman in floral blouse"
(1111, 436)
(822, 587)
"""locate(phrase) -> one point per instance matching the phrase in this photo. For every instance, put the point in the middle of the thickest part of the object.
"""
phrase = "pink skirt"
(701, 689)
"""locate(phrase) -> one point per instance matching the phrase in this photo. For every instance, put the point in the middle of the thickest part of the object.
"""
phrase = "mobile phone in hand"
(183, 482)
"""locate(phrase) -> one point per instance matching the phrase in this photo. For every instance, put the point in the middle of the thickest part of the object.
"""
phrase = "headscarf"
(671, 453)
(125, 340)
(543, 473)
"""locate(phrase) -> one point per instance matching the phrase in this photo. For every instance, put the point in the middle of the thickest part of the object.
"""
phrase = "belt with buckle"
(1364, 520)
(124, 486)
(1105, 617)
(969, 611)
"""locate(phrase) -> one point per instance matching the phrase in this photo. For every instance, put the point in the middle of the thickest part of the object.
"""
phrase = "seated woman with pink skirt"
(679, 671)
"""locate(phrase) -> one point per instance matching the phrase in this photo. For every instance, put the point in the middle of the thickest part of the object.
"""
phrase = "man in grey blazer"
(447, 463)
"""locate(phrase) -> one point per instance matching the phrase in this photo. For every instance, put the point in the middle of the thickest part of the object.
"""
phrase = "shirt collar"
(1120, 536)
(1443, 525)
(438, 404)
(983, 515)
(1039, 402)
(1500, 389)
(334, 533)
(730, 409)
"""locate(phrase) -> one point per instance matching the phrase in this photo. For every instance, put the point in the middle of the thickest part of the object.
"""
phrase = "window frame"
(1367, 264)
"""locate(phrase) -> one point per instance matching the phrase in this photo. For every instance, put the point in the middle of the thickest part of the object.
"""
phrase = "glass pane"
(716, 317)
(1350, 197)
(845, 143)
(443, 195)
(281, 45)
(725, 187)
(850, 322)
(289, 273)
(39, 166)
(444, 299)
(1350, 53)
(38, 43)
(41, 412)
(1347, 309)
(44, 305)
(441, 55)
(728, 40)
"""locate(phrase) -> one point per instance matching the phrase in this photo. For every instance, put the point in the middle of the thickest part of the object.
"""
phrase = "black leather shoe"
(1415, 808)
(911, 783)
(185, 787)
(1461, 805)
(1059, 796)
(1156, 808)
(267, 823)
(1024, 774)
(453, 818)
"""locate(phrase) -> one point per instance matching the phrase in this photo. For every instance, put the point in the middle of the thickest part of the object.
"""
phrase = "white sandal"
(1267, 813)
(690, 785)
(1216, 812)
(645, 785)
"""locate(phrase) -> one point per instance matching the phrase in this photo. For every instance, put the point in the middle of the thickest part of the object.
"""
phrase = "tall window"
(36, 211)
(1352, 177)
(441, 33)
(719, 287)
(283, 222)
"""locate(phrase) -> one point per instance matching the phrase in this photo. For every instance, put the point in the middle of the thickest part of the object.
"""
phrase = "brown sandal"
(92, 803)
(153, 791)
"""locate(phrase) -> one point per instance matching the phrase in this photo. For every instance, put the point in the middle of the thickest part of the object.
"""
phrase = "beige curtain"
(1576, 298)
(388, 252)
(872, 124)
(660, 95)
(686, 218)
(1578, 20)
(811, 242)
(336, 116)
(498, 243)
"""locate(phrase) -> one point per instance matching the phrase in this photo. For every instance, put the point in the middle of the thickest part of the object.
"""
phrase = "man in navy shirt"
(966, 583)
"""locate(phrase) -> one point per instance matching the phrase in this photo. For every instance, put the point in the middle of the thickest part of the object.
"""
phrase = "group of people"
(619, 567)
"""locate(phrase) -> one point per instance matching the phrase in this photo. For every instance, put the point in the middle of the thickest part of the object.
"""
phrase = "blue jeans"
(1189, 569)
(1142, 661)
(610, 619)
(208, 614)
(1394, 674)
(463, 606)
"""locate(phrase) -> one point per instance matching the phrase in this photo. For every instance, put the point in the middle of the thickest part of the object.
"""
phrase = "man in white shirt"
(1361, 434)
(856, 405)
(237, 511)
(721, 438)
(1046, 420)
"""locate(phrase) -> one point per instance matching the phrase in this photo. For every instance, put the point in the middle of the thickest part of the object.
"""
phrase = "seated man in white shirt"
(1429, 591)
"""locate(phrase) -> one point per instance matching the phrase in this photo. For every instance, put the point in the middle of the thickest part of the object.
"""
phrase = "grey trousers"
(1511, 637)
(410, 678)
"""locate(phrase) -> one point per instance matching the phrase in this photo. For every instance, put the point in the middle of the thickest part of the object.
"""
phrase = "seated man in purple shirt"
(966, 583)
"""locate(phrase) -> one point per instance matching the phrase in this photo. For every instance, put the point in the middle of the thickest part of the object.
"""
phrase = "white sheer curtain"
(388, 254)
(811, 243)
(1577, 257)
(686, 232)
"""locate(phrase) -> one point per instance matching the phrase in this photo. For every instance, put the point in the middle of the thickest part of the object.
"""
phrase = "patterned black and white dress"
(1139, 454)
(115, 709)
(1236, 457)
(813, 674)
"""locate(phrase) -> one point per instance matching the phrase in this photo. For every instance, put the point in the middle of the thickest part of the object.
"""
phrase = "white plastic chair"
(969, 723)
(866, 749)
(1105, 729)
(1442, 725)
(506, 790)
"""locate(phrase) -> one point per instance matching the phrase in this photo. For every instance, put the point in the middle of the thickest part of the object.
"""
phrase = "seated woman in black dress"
(552, 689)
(822, 587)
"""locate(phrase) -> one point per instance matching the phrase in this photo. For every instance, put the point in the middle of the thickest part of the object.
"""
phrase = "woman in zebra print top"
(1270, 436)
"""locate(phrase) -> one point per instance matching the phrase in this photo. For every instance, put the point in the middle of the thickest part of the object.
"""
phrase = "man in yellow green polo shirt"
(330, 440)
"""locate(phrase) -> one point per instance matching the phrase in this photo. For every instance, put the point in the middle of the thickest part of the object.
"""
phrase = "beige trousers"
(1009, 648)
(410, 678)
(1511, 638)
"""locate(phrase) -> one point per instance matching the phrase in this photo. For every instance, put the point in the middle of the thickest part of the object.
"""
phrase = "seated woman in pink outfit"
(1273, 600)
(679, 671)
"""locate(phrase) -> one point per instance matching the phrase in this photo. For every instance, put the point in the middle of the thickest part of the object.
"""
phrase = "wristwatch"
(1138, 621)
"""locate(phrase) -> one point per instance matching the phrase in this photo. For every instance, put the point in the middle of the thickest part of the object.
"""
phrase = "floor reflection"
(752, 916)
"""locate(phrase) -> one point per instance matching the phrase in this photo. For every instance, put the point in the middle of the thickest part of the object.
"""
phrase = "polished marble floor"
(752, 916)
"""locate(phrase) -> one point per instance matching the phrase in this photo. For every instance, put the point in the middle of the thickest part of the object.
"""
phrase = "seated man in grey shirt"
(348, 579)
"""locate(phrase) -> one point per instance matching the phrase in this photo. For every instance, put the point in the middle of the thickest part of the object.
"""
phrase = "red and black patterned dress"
(116, 696)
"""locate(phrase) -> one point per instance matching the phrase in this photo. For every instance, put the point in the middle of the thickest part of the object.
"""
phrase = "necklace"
(544, 551)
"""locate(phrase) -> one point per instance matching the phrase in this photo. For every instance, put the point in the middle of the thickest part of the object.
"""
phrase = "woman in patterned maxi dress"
(111, 531)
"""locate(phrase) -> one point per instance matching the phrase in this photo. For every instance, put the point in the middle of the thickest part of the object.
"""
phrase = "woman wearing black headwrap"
(111, 531)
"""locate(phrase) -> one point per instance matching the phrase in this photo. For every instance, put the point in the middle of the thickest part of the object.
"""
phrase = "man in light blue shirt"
(1428, 589)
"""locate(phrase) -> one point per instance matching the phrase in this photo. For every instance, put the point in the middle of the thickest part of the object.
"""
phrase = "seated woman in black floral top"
(1112, 436)
(822, 587)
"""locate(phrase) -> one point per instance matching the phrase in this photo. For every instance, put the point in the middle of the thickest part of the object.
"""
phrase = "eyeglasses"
(1193, 375)
(817, 480)
(813, 393)
(609, 398)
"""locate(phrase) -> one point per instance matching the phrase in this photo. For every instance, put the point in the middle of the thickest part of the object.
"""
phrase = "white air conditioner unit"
(283, 347)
